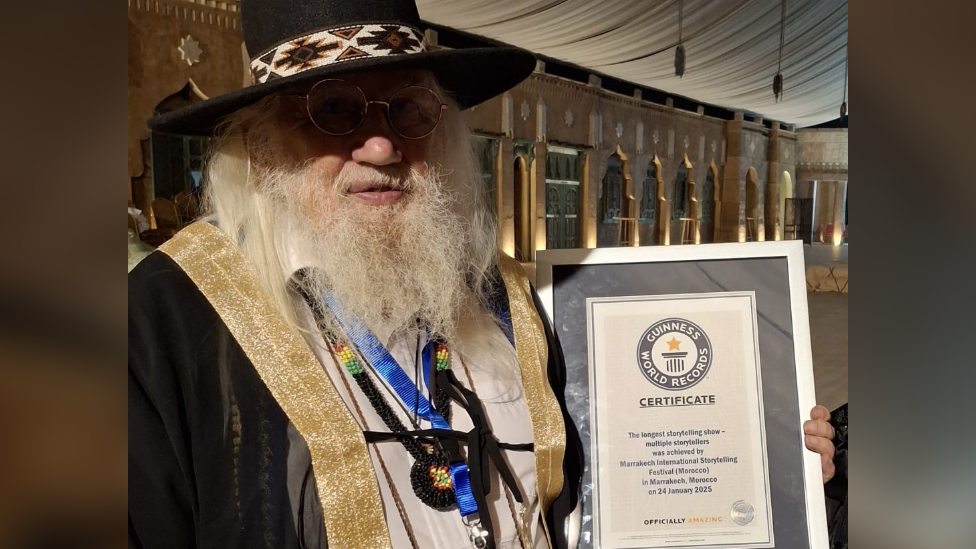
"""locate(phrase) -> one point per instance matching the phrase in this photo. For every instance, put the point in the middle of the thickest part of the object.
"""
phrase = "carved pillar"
(588, 200)
(663, 211)
(538, 169)
(840, 204)
(773, 229)
(628, 234)
(506, 196)
(733, 206)
(523, 198)
(694, 207)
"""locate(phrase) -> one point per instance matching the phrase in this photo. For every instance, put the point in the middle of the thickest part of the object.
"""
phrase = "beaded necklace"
(430, 474)
(518, 516)
(438, 462)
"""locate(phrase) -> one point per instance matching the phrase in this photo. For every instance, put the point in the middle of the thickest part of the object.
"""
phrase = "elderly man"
(338, 355)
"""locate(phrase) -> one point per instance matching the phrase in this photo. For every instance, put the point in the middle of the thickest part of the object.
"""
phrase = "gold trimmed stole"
(350, 497)
(548, 428)
(351, 504)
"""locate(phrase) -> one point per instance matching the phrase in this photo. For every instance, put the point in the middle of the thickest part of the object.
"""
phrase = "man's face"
(377, 224)
(372, 149)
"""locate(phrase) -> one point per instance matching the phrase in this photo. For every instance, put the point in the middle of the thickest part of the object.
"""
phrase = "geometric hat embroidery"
(335, 46)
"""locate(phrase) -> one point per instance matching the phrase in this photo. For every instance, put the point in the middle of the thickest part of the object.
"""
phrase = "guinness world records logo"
(674, 354)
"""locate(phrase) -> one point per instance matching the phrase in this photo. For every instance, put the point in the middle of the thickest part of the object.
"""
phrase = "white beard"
(387, 265)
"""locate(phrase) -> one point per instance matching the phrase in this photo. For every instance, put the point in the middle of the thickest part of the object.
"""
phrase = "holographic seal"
(743, 512)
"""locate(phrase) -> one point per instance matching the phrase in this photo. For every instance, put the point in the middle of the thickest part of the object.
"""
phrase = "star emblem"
(674, 344)
(189, 50)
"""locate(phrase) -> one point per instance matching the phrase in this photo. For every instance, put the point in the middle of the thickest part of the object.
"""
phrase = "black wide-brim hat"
(295, 43)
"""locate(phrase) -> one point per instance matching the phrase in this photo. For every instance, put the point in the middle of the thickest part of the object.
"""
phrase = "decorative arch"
(611, 201)
(785, 193)
(753, 227)
(663, 215)
(627, 234)
(627, 192)
(712, 202)
(616, 202)
(648, 201)
(682, 191)
(694, 206)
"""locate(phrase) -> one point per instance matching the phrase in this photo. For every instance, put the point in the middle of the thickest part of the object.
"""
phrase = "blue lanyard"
(391, 372)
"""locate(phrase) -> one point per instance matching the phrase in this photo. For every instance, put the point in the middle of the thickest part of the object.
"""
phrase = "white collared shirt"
(508, 417)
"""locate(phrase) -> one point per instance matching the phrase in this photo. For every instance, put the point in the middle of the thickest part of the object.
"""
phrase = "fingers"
(818, 436)
(818, 428)
(820, 412)
(827, 467)
(820, 445)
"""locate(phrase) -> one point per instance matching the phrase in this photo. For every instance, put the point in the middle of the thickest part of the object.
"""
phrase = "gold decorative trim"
(351, 503)
(548, 429)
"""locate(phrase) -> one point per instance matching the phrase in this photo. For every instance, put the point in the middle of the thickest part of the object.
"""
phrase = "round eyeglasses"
(338, 107)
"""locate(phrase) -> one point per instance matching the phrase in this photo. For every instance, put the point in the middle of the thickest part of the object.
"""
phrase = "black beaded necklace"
(434, 450)
(430, 475)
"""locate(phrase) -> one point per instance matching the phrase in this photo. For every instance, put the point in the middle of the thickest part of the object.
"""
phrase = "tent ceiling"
(731, 46)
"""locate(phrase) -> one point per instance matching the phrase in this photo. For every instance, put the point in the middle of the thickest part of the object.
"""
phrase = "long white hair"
(243, 197)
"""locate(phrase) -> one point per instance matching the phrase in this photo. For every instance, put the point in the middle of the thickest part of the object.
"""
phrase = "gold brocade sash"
(351, 503)
(548, 429)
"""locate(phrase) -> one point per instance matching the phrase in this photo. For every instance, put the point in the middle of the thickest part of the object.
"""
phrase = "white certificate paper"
(678, 445)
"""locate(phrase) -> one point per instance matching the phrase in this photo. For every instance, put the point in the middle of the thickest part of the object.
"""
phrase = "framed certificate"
(689, 376)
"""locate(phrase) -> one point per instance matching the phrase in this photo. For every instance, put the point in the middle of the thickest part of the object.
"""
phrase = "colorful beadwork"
(430, 475)
(443, 358)
(347, 358)
(441, 476)
(430, 478)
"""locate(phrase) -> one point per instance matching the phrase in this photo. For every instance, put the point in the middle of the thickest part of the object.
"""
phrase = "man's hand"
(819, 435)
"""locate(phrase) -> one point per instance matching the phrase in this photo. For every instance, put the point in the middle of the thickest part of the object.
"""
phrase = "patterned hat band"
(334, 46)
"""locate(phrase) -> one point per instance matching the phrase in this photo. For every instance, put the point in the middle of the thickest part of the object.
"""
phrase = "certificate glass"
(689, 377)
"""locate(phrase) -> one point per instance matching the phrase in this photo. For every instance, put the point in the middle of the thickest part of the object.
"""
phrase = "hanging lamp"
(843, 105)
(778, 79)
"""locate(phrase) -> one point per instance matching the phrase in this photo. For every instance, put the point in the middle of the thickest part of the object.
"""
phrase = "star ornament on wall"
(189, 50)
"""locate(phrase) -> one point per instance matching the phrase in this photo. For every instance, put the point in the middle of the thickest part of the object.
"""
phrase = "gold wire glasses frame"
(365, 107)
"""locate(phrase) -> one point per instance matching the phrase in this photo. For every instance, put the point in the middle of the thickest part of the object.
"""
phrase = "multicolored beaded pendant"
(430, 475)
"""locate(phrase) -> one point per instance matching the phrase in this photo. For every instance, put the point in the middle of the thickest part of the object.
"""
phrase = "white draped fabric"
(731, 46)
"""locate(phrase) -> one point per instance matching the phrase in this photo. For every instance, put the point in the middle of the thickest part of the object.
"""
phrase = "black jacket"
(213, 460)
